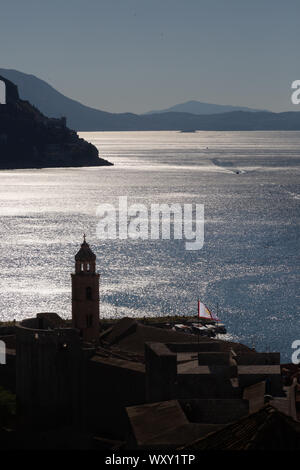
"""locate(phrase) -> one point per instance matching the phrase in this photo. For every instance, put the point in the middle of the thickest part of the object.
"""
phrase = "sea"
(247, 270)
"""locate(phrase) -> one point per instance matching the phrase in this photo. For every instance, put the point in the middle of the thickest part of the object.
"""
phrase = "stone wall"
(8, 372)
(202, 346)
(161, 372)
(111, 386)
(214, 411)
(271, 358)
(49, 377)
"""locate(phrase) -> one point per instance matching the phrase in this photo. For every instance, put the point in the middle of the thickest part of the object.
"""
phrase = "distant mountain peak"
(201, 107)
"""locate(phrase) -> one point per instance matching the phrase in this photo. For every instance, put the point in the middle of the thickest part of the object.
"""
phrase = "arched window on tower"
(88, 293)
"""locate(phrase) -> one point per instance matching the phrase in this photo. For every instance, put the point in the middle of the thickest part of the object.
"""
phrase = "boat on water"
(211, 321)
(208, 324)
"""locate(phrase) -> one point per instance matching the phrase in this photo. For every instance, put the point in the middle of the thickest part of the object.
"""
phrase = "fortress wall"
(273, 381)
(214, 358)
(161, 372)
(205, 386)
(272, 358)
(111, 388)
(214, 411)
(48, 376)
(202, 346)
(8, 372)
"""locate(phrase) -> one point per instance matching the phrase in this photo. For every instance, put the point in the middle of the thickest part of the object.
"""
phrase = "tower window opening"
(88, 293)
(88, 266)
(89, 321)
(81, 267)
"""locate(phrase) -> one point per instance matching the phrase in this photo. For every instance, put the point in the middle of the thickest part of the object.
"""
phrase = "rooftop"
(267, 429)
(85, 253)
(166, 425)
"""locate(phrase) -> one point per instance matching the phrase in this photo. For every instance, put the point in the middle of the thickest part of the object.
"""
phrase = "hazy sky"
(138, 55)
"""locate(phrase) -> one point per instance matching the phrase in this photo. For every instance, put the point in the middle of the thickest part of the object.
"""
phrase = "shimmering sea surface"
(249, 264)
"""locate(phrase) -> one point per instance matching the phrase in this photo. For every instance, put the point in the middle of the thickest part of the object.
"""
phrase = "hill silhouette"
(80, 117)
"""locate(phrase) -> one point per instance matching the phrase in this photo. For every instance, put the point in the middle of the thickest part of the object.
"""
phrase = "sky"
(140, 55)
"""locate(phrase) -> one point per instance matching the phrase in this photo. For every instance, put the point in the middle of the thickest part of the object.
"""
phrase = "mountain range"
(84, 118)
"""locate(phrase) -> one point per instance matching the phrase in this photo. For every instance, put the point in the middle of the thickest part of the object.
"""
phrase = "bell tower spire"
(85, 294)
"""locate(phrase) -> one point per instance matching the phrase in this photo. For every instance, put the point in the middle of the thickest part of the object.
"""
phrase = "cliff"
(28, 139)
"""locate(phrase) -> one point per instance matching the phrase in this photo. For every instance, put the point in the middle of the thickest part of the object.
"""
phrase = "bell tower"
(85, 294)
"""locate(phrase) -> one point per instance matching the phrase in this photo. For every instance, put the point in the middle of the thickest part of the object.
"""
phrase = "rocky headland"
(28, 139)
